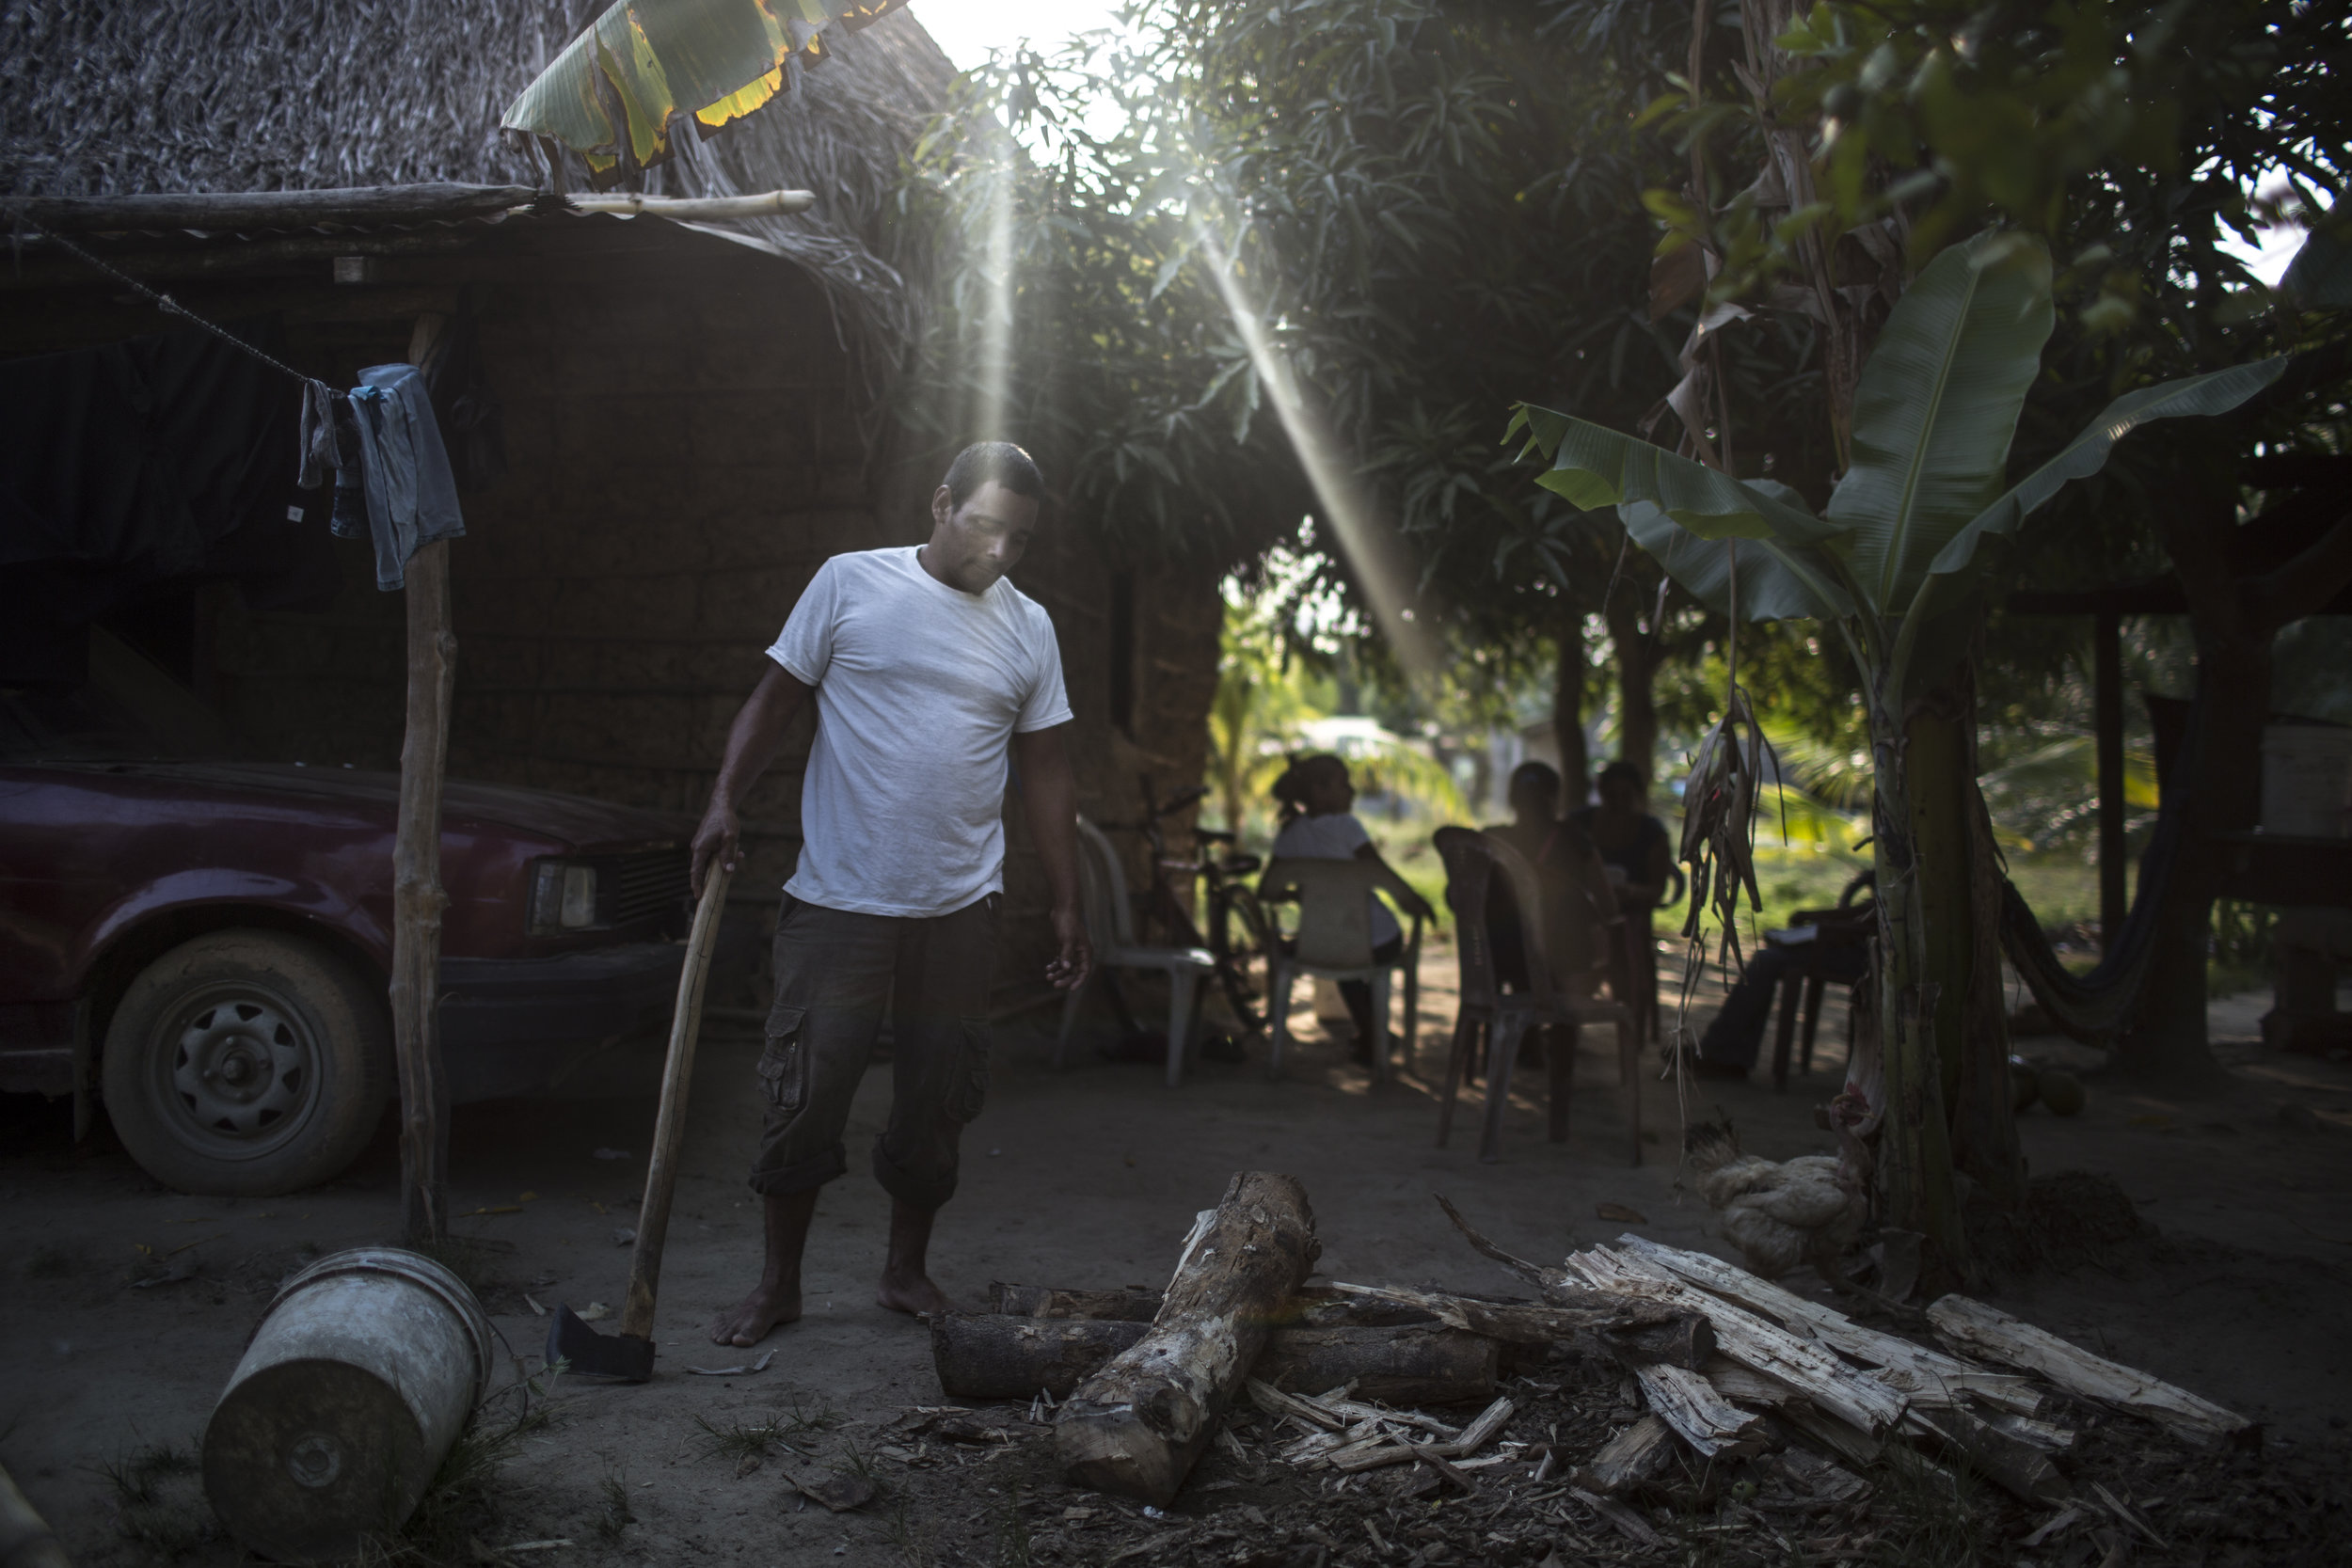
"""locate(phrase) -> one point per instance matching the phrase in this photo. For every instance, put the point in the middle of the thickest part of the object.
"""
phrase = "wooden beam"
(214, 211)
(690, 208)
(416, 897)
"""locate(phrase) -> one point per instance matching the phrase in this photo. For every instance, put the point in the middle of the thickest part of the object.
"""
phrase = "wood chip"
(836, 1490)
(1274, 1401)
(1488, 1421)
(1624, 1520)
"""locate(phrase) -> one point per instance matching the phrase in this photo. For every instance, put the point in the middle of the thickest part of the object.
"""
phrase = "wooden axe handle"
(669, 1128)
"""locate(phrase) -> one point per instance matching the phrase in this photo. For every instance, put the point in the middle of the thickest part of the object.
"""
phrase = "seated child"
(1315, 794)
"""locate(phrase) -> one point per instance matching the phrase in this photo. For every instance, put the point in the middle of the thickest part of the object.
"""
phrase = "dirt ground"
(1087, 1177)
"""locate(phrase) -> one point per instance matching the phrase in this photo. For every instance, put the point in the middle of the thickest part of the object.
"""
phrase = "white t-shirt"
(920, 689)
(1336, 837)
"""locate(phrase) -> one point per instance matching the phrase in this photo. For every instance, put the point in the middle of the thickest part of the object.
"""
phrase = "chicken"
(1781, 1212)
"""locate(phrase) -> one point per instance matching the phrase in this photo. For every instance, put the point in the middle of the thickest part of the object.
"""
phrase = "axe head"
(583, 1350)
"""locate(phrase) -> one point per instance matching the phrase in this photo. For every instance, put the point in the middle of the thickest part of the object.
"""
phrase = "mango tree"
(1894, 565)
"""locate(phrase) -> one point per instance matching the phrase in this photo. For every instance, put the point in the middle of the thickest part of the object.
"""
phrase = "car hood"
(467, 804)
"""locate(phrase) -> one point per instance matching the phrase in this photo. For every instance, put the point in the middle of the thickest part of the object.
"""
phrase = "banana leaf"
(1777, 581)
(2215, 392)
(1592, 466)
(644, 63)
(1936, 406)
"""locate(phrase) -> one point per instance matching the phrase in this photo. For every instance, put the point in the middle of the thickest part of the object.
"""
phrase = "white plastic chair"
(1334, 942)
(1111, 929)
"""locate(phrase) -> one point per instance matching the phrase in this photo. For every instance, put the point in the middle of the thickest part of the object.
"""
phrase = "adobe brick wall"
(684, 453)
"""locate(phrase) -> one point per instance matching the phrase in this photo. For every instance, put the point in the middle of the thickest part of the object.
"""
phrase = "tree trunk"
(1137, 1426)
(1567, 711)
(2165, 1040)
(1983, 1110)
(1921, 855)
(1637, 668)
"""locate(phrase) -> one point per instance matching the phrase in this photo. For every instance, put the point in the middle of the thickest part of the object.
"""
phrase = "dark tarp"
(142, 468)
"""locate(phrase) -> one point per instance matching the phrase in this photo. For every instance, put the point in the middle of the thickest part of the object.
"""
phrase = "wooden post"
(416, 897)
(2107, 725)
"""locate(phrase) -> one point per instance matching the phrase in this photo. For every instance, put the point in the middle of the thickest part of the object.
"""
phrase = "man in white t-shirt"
(932, 672)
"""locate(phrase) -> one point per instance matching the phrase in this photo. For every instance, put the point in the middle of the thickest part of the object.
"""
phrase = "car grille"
(651, 884)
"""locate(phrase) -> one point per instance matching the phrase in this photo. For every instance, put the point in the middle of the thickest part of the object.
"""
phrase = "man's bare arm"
(753, 742)
(1049, 793)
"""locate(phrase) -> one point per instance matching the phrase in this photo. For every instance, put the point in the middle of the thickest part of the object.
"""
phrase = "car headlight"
(563, 897)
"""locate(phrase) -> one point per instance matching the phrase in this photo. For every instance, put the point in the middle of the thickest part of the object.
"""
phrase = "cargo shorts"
(836, 972)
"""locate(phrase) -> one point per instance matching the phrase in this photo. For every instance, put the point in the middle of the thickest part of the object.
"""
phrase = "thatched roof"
(99, 96)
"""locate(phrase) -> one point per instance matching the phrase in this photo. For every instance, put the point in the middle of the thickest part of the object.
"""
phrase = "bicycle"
(1238, 931)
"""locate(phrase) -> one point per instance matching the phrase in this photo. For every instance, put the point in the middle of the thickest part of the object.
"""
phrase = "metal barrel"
(353, 1387)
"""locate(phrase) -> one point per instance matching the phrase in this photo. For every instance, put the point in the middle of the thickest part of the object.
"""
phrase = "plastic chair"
(1472, 861)
(1334, 942)
(1111, 931)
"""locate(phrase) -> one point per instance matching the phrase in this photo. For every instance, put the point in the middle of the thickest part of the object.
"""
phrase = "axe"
(629, 1356)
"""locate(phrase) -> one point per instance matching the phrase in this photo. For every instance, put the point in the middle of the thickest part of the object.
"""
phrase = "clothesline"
(169, 305)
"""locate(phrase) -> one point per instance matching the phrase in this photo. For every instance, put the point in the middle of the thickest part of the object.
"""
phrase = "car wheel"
(246, 1063)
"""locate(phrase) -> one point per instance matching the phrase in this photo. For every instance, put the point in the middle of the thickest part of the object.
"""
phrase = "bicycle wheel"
(1238, 935)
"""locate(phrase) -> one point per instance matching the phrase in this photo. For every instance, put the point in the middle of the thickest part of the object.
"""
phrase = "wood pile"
(1721, 1367)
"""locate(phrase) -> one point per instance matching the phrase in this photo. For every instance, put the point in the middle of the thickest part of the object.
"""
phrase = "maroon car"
(202, 947)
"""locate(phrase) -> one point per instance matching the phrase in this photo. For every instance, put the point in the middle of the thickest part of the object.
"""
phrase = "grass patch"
(138, 1477)
(460, 1502)
(160, 1503)
(1013, 1533)
(788, 1429)
(614, 1516)
(1928, 1515)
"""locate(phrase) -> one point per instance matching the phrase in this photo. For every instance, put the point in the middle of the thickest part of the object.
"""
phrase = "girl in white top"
(1315, 794)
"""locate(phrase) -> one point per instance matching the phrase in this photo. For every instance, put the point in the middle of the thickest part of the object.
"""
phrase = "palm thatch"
(103, 97)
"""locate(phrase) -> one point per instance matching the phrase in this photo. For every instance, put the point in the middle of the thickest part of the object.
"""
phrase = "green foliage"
(1421, 210)
(1899, 552)
(2127, 133)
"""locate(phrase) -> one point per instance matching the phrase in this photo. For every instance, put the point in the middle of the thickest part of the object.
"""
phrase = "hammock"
(2097, 1007)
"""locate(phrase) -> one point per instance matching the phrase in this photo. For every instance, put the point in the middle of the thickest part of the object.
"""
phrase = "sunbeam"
(1372, 549)
(994, 413)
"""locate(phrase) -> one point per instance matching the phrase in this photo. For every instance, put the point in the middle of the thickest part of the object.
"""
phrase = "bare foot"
(747, 1322)
(912, 1293)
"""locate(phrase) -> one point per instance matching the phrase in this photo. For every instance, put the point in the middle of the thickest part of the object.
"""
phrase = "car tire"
(246, 1064)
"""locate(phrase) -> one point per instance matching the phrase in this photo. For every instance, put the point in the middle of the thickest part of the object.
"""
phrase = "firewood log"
(982, 1355)
(1136, 1426)
(1989, 1331)
(1315, 1306)
(1048, 1301)
(1685, 1339)
(2010, 1463)
(1413, 1365)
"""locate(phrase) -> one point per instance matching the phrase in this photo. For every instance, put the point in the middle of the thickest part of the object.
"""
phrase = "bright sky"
(967, 31)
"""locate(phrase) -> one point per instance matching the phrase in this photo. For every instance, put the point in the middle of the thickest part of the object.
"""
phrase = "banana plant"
(613, 92)
(1896, 565)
